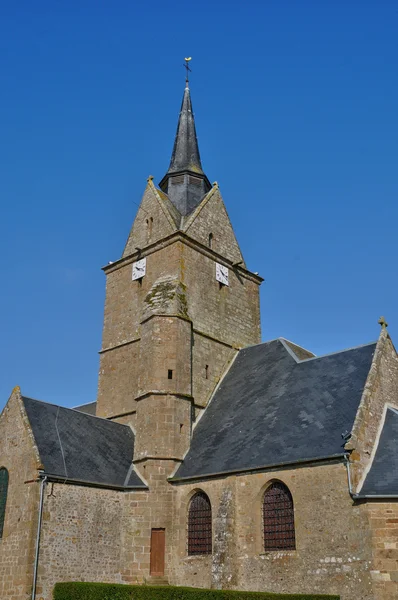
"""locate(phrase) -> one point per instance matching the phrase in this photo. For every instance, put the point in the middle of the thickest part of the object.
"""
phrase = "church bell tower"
(179, 304)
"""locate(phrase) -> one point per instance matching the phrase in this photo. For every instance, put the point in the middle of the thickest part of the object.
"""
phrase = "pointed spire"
(185, 156)
(185, 182)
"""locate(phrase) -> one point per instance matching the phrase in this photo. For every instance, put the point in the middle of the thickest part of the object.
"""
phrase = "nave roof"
(77, 446)
(272, 408)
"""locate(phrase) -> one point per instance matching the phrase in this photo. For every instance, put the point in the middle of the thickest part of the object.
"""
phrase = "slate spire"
(185, 156)
(185, 182)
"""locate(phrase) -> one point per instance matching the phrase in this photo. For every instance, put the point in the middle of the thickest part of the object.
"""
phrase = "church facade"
(209, 459)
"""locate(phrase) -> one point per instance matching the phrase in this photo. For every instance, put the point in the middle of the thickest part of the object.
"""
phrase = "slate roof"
(77, 446)
(185, 155)
(272, 408)
(382, 479)
(185, 182)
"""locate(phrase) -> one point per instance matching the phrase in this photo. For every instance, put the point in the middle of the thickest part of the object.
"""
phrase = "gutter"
(106, 486)
(374, 496)
(274, 466)
(36, 563)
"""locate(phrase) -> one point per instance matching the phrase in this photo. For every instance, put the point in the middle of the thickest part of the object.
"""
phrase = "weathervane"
(186, 66)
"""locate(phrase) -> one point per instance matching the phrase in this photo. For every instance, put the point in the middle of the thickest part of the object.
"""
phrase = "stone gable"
(381, 389)
(211, 217)
(20, 457)
(156, 218)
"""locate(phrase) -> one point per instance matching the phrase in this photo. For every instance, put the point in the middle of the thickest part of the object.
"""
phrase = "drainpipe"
(36, 563)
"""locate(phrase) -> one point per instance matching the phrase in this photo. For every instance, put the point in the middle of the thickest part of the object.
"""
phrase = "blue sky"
(296, 113)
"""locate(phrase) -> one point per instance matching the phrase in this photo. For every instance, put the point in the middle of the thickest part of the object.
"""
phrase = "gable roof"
(272, 408)
(382, 479)
(81, 447)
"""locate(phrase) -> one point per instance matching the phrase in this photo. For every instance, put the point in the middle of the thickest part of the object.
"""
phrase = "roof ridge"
(283, 339)
(77, 411)
(284, 342)
(338, 352)
(79, 405)
(261, 344)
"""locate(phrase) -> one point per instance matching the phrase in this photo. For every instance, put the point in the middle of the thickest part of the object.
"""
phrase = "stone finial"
(150, 178)
(215, 184)
(383, 323)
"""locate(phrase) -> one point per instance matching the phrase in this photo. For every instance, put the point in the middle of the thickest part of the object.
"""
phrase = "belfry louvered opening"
(195, 180)
(177, 179)
(278, 518)
(199, 525)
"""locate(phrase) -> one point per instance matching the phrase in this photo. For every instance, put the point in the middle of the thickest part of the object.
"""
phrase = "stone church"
(209, 459)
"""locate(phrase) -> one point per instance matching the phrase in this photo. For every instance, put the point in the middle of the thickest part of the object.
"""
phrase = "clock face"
(139, 268)
(222, 274)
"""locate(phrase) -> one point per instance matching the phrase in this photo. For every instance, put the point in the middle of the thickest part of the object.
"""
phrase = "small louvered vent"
(195, 180)
(177, 179)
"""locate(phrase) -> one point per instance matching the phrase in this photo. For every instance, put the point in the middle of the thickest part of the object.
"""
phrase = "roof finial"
(383, 323)
(186, 66)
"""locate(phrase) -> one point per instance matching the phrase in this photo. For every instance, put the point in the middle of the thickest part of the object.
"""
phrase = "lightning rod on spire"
(188, 70)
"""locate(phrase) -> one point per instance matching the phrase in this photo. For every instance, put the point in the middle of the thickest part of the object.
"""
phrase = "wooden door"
(157, 552)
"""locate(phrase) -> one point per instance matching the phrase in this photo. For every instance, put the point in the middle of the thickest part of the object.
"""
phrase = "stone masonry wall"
(102, 535)
(99, 535)
(17, 545)
(333, 542)
(383, 520)
(163, 426)
(229, 314)
(210, 360)
(124, 304)
(82, 537)
(118, 385)
(211, 217)
(166, 344)
(223, 319)
(152, 510)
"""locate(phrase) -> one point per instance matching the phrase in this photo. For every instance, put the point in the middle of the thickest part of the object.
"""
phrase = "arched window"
(210, 240)
(278, 518)
(199, 525)
(3, 497)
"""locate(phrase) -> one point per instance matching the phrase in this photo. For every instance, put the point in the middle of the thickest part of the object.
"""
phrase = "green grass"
(105, 591)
